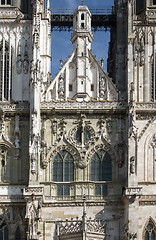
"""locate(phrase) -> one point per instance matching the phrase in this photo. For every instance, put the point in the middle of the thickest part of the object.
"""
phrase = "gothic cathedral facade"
(77, 152)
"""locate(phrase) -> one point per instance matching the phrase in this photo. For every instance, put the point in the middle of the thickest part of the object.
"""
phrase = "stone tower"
(77, 152)
(131, 63)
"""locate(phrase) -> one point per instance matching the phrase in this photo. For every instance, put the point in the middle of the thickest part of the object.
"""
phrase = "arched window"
(150, 231)
(5, 72)
(101, 166)
(101, 170)
(5, 2)
(82, 16)
(18, 234)
(3, 231)
(63, 171)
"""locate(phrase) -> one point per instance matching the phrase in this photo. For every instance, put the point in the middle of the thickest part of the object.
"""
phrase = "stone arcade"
(78, 152)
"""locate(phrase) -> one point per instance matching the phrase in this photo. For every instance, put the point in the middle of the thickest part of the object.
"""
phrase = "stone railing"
(75, 191)
(27, 191)
(82, 105)
(77, 226)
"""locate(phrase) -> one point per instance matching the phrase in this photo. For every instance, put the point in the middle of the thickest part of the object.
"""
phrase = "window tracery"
(63, 171)
(101, 166)
(5, 2)
(150, 231)
(18, 234)
(5, 72)
(3, 231)
(101, 170)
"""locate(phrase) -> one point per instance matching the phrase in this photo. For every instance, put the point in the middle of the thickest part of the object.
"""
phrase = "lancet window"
(3, 231)
(5, 2)
(5, 72)
(18, 234)
(101, 170)
(150, 231)
(63, 172)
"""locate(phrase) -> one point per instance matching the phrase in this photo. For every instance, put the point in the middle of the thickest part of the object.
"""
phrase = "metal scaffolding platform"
(101, 20)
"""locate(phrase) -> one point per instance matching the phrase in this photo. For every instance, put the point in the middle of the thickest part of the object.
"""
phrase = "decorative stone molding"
(75, 154)
(26, 59)
(99, 105)
(147, 203)
(19, 62)
(132, 192)
(84, 125)
(106, 148)
(76, 226)
(132, 165)
(152, 119)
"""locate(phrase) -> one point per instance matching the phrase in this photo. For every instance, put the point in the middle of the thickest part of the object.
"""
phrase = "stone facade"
(77, 153)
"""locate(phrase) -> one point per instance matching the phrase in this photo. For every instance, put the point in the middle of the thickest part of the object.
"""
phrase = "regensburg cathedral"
(78, 152)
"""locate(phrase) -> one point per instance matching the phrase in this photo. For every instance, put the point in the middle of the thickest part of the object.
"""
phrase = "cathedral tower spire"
(82, 38)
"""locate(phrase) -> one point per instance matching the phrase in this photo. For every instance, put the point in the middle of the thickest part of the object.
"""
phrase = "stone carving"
(132, 165)
(81, 162)
(17, 132)
(54, 126)
(131, 120)
(61, 87)
(82, 127)
(136, 50)
(109, 125)
(152, 119)
(44, 161)
(62, 125)
(87, 105)
(26, 59)
(19, 62)
(34, 153)
(2, 122)
(142, 49)
(77, 225)
(102, 88)
(153, 141)
(106, 148)
(129, 235)
(33, 214)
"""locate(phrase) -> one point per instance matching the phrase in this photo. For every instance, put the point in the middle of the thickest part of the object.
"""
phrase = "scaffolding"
(102, 19)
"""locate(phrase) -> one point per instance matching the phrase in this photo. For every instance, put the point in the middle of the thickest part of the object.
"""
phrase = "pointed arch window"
(5, 72)
(150, 231)
(63, 171)
(3, 231)
(5, 2)
(154, 2)
(18, 234)
(101, 170)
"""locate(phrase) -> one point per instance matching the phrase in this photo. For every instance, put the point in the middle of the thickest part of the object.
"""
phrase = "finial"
(82, 2)
(61, 63)
(48, 4)
(102, 62)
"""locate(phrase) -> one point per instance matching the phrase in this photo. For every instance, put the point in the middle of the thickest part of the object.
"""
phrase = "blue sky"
(61, 45)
